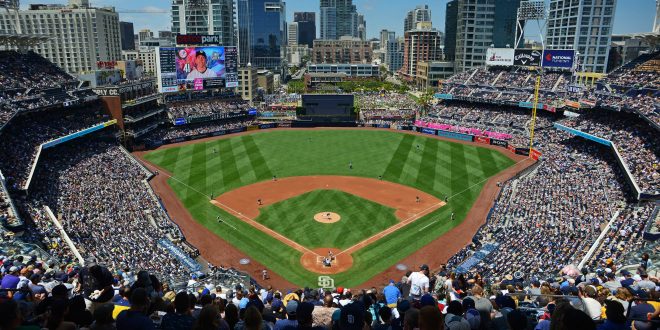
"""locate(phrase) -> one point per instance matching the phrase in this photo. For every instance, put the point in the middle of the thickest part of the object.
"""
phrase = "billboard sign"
(558, 58)
(198, 39)
(196, 68)
(499, 56)
(527, 57)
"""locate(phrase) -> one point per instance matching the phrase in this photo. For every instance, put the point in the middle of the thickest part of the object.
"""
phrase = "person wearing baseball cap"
(11, 279)
(200, 70)
(419, 282)
(392, 294)
(291, 320)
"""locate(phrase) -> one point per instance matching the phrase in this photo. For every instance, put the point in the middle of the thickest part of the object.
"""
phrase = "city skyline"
(628, 19)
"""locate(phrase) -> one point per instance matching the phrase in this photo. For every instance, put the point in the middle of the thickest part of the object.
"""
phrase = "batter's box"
(327, 262)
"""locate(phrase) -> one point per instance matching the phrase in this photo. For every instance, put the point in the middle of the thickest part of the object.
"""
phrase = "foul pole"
(534, 106)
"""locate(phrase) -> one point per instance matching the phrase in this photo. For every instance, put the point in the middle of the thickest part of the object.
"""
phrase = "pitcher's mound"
(327, 217)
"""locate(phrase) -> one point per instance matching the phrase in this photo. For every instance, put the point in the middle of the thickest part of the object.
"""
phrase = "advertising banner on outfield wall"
(558, 58)
(522, 151)
(500, 143)
(500, 56)
(481, 139)
(527, 57)
(455, 136)
(535, 154)
(511, 148)
(428, 131)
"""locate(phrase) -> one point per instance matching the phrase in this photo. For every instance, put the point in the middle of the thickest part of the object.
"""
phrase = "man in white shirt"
(591, 305)
(200, 70)
(419, 283)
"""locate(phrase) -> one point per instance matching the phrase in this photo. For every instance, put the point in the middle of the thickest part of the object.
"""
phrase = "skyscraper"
(585, 26)
(451, 20)
(421, 13)
(306, 27)
(261, 33)
(204, 17)
(362, 27)
(422, 43)
(338, 18)
(386, 36)
(480, 24)
(126, 35)
(292, 34)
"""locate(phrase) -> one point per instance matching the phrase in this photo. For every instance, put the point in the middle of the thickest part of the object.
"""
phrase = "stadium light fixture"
(530, 11)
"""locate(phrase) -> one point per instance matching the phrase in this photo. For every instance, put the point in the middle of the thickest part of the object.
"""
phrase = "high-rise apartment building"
(394, 54)
(423, 43)
(145, 34)
(261, 33)
(339, 18)
(346, 51)
(421, 13)
(451, 21)
(205, 17)
(306, 27)
(362, 27)
(583, 25)
(482, 24)
(385, 37)
(126, 35)
(81, 35)
(292, 34)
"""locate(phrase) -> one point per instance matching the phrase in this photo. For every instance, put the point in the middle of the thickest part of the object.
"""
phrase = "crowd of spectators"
(642, 72)
(103, 205)
(501, 119)
(7, 213)
(275, 99)
(29, 81)
(19, 141)
(635, 140)
(166, 133)
(41, 294)
(29, 70)
(559, 209)
(385, 101)
(507, 85)
(206, 108)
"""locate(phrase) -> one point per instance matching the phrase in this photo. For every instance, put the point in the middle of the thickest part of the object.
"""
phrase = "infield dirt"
(434, 254)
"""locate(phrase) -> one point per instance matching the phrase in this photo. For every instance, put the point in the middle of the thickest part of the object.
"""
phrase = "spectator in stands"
(135, 318)
(181, 318)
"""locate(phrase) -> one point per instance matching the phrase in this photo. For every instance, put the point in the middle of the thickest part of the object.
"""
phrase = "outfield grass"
(294, 218)
(437, 167)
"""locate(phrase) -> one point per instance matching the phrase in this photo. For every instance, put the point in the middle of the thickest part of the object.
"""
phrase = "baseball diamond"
(397, 185)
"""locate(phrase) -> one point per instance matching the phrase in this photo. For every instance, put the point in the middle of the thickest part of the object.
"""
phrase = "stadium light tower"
(530, 11)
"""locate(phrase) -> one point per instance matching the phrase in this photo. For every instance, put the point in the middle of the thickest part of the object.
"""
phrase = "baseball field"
(269, 194)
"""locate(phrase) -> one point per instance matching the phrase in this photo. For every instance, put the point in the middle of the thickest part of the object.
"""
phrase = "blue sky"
(631, 15)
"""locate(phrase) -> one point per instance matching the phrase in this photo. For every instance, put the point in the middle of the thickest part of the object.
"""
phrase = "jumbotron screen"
(196, 68)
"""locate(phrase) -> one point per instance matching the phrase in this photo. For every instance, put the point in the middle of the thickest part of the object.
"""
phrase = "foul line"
(360, 244)
(265, 229)
(406, 222)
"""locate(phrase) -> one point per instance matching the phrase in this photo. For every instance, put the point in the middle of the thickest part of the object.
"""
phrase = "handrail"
(64, 235)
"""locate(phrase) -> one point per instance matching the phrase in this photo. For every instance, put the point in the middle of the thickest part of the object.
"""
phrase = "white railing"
(64, 235)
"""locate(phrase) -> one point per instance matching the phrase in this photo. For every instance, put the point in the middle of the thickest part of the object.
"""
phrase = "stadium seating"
(573, 207)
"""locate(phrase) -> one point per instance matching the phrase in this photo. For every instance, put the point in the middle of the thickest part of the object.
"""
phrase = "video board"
(196, 68)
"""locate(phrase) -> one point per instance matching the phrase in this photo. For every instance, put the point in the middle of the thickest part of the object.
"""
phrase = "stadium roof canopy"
(18, 40)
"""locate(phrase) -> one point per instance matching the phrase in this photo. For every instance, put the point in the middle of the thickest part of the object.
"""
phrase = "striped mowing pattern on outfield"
(437, 167)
